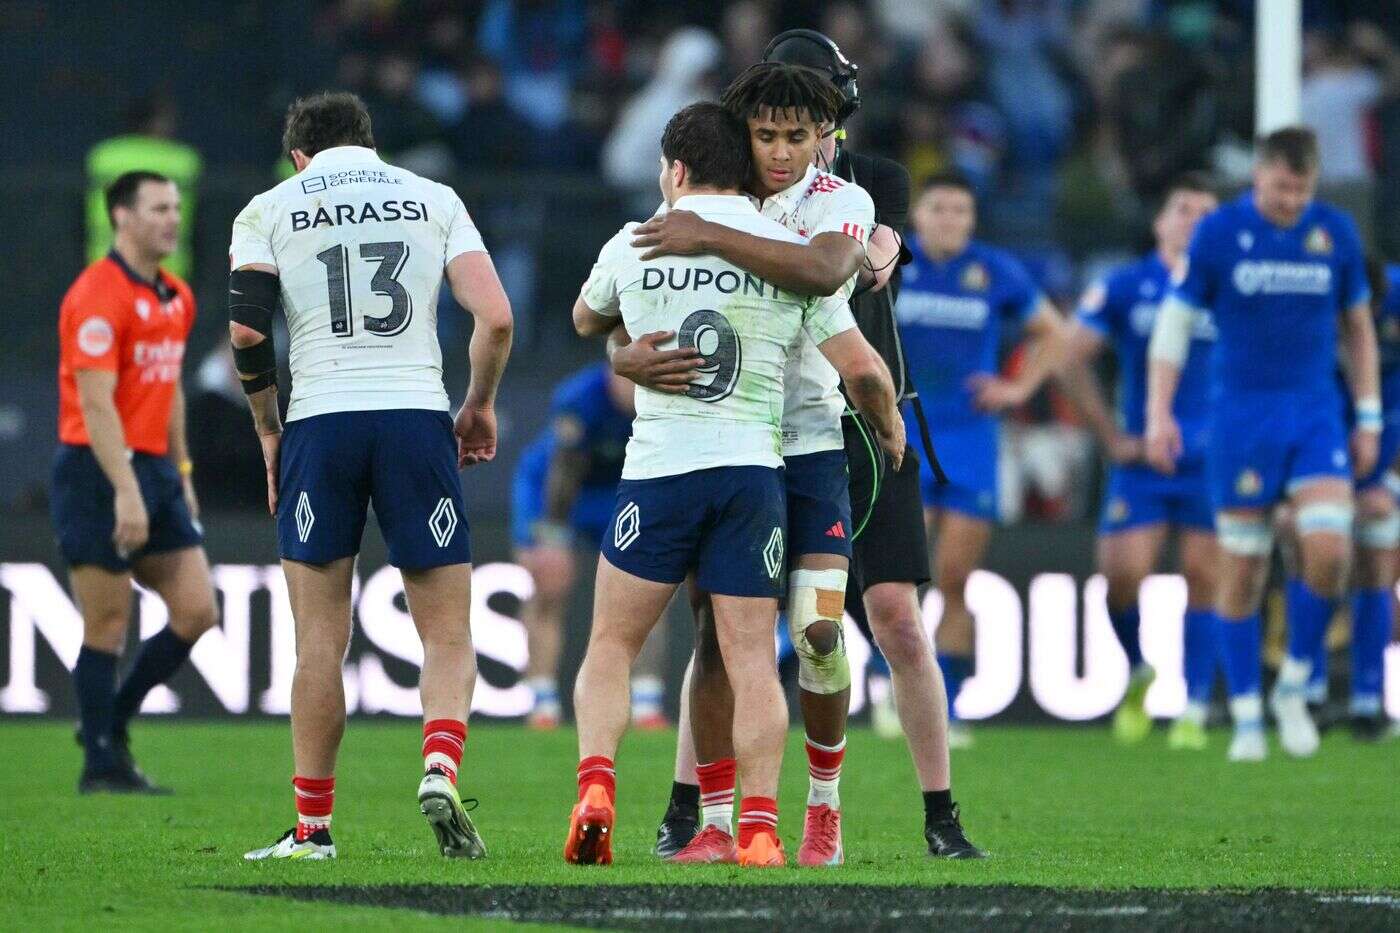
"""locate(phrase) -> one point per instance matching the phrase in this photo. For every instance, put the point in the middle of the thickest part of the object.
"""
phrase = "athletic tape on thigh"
(1325, 518)
(818, 596)
(1379, 533)
(1247, 537)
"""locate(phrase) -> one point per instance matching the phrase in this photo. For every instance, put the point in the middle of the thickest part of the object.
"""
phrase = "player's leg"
(681, 821)
(324, 487)
(551, 567)
(1125, 558)
(626, 608)
(320, 599)
(439, 599)
(1246, 542)
(1323, 515)
(1377, 557)
(962, 540)
(103, 597)
(1200, 565)
(181, 579)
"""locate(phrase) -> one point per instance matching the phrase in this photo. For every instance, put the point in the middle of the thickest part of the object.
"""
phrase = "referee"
(122, 499)
(890, 560)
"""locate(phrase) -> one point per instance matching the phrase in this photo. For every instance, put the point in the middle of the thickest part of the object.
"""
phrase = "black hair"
(122, 191)
(950, 179)
(712, 143)
(1294, 146)
(326, 120)
(1194, 181)
(786, 88)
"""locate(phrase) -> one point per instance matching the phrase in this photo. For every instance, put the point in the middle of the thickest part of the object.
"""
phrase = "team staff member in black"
(891, 548)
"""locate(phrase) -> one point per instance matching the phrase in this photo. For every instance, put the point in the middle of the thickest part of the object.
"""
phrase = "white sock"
(1293, 673)
(1195, 712)
(719, 815)
(823, 783)
(1247, 710)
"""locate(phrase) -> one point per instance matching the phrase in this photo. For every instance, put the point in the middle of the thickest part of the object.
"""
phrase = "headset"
(814, 50)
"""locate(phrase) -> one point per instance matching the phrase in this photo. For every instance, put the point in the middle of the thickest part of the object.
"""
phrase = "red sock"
(597, 769)
(315, 798)
(824, 769)
(757, 815)
(717, 793)
(442, 745)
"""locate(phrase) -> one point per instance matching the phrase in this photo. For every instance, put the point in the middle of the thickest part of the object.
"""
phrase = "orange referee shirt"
(115, 320)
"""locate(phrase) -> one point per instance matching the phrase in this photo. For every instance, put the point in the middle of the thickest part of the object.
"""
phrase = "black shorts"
(891, 544)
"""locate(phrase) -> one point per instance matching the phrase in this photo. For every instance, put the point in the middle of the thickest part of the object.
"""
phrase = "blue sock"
(1370, 632)
(1126, 623)
(956, 669)
(1308, 615)
(160, 656)
(1200, 653)
(1242, 639)
(95, 680)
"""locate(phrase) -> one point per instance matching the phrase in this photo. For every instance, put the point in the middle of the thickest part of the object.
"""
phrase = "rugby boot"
(315, 847)
(678, 827)
(590, 829)
(711, 845)
(821, 838)
(946, 838)
(442, 807)
(765, 850)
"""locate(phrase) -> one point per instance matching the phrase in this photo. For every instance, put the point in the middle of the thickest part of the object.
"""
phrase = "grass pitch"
(1083, 834)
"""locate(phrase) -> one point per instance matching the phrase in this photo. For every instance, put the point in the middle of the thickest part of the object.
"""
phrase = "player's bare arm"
(1045, 348)
(818, 267)
(475, 285)
(870, 387)
(642, 362)
(1077, 380)
(252, 300)
(1166, 354)
(180, 450)
(1363, 377)
(96, 395)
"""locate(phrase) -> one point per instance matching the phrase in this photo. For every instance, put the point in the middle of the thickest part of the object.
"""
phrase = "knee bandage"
(1247, 537)
(818, 596)
(1379, 533)
(1325, 518)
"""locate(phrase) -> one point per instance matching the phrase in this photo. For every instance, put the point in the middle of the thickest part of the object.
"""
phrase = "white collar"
(342, 155)
(714, 204)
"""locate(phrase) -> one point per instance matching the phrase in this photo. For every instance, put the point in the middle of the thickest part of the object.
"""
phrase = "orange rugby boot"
(765, 850)
(590, 829)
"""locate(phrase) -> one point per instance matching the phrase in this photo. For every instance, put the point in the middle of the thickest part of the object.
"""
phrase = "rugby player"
(893, 554)
(701, 487)
(563, 494)
(1141, 506)
(123, 499)
(1377, 533)
(1276, 270)
(355, 251)
(959, 295)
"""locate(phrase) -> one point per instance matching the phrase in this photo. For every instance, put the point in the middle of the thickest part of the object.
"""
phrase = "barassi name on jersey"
(725, 281)
(368, 212)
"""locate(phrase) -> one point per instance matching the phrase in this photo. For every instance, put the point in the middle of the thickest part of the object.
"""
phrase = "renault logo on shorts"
(773, 553)
(443, 522)
(628, 527)
(305, 517)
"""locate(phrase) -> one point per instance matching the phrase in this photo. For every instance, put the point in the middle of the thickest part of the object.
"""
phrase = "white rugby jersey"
(745, 328)
(818, 203)
(360, 248)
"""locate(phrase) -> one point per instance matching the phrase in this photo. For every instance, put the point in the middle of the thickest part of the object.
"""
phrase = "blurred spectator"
(1026, 43)
(747, 27)
(946, 119)
(490, 134)
(539, 46)
(684, 74)
(1342, 83)
(1161, 109)
(149, 143)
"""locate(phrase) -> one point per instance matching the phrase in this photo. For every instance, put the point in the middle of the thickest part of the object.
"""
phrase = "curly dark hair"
(789, 89)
